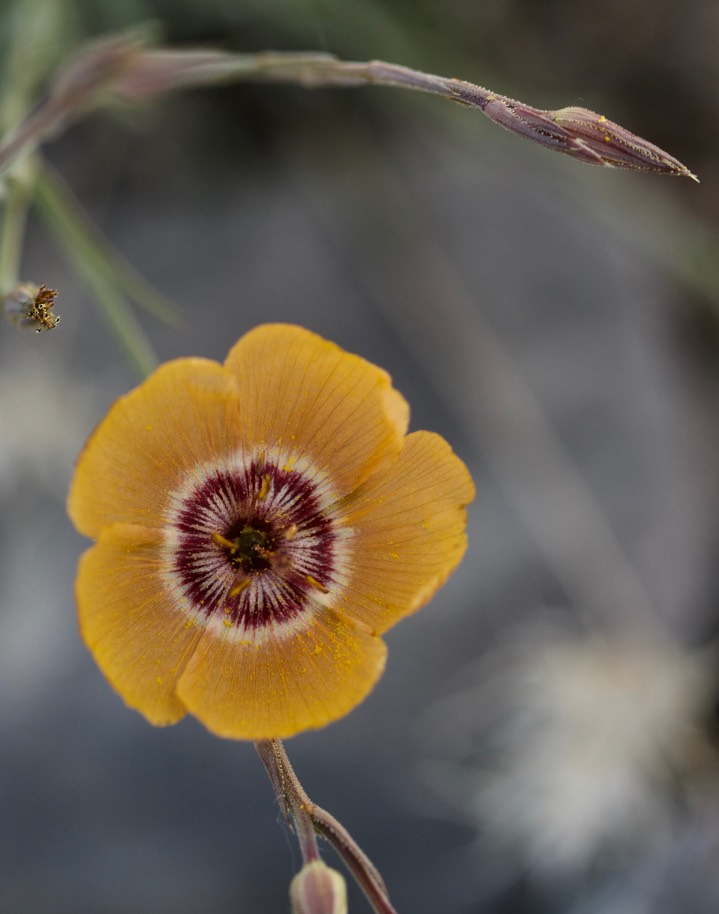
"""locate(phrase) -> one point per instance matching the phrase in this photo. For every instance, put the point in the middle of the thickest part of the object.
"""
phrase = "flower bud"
(599, 141)
(317, 889)
(577, 132)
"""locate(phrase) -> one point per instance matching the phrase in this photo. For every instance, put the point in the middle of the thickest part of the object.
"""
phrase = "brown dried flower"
(30, 307)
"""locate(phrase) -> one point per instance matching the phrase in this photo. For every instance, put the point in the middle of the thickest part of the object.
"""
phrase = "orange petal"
(312, 399)
(139, 641)
(273, 685)
(185, 414)
(409, 531)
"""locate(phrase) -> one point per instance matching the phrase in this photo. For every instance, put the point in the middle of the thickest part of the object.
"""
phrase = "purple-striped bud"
(578, 132)
(599, 141)
(317, 889)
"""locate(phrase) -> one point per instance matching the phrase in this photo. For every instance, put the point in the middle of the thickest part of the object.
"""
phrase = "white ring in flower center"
(252, 545)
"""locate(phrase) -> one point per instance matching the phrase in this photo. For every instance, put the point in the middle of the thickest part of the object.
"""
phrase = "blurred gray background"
(556, 323)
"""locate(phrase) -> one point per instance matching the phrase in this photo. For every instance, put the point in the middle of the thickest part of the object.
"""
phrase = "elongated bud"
(578, 132)
(317, 889)
(600, 141)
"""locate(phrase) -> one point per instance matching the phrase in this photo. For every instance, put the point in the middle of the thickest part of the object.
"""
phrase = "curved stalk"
(304, 816)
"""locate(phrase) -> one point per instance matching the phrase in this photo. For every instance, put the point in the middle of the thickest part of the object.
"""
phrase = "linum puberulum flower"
(259, 525)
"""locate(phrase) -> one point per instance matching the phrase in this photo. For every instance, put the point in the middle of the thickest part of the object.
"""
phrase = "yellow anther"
(219, 540)
(290, 532)
(239, 587)
(313, 582)
(264, 488)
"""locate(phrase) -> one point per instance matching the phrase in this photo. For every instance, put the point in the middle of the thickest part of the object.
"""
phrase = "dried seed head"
(30, 307)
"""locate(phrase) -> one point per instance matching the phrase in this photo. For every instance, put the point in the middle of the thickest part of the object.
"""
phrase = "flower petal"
(266, 686)
(139, 640)
(306, 395)
(185, 414)
(409, 532)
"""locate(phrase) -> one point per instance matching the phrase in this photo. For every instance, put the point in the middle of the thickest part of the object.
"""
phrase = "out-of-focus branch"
(12, 232)
(64, 217)
(99, 252)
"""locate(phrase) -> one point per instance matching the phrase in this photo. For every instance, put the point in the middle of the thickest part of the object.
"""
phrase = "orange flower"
(259, 524)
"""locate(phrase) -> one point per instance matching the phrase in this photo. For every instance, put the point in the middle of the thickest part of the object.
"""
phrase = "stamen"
(290, 532)
(316, 584)
(238, 588)
(219, 540)
(264, 488)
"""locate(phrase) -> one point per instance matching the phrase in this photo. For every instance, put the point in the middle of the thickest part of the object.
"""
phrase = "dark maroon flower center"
(253, 544)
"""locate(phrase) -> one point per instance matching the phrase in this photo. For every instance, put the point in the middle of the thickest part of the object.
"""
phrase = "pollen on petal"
(139, 638)
(244, 687)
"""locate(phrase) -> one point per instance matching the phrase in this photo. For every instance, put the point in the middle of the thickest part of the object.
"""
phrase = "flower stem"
(63, 214)
(101, 255)
(577, 132)
(12, 231)
(306, 817)
(290, 793)
(123, 67)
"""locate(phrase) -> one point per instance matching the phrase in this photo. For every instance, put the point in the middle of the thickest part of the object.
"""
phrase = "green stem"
(12, 233)
(105, 260)
(33, 27)
(123, 323)
(63, 216)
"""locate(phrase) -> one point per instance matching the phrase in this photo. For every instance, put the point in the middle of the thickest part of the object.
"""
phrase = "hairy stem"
(121, 66)
(290, 793)
(305, 816)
